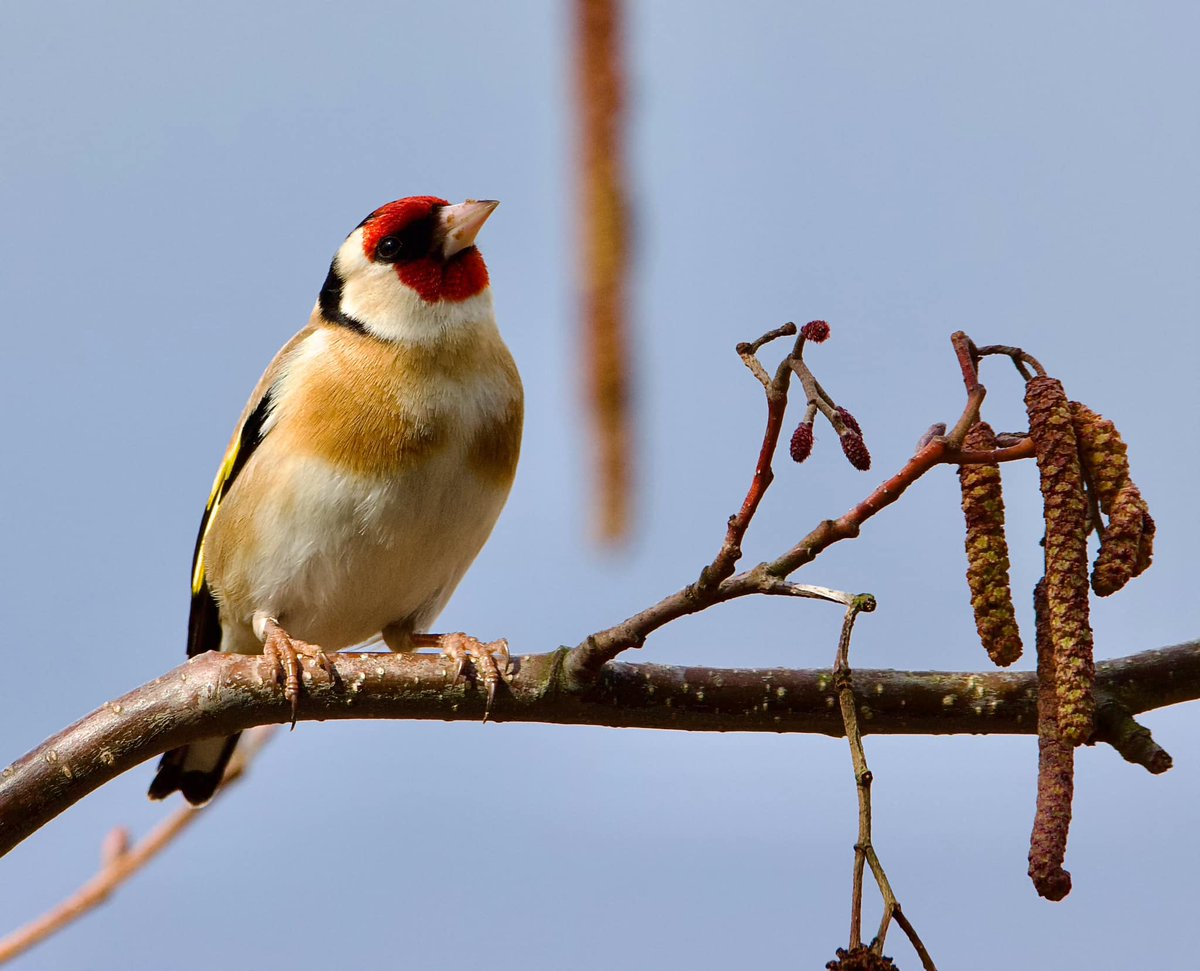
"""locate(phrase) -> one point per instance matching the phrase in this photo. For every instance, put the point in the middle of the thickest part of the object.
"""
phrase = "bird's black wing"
(204, 623)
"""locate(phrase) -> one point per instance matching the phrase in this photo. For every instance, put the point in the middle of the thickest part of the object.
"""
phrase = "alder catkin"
(1066, 518)
(802, 442)
(987, 551)
(849, 420)
(856, 450)
(1121, 545)
(1146, 545)
(1102, 451)
(1056, 770)
(1127, 542)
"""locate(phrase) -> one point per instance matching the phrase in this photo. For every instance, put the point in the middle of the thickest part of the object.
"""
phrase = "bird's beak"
(460, 224)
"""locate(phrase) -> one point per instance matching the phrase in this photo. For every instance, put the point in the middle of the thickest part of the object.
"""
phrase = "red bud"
(856, 451)
(802, 441)
(850, 421)
(816, 331)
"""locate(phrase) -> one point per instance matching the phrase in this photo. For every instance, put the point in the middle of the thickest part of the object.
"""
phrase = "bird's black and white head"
(410, 270)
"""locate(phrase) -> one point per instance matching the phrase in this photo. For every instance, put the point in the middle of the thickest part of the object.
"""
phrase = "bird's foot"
(286, 652)
(490, 660)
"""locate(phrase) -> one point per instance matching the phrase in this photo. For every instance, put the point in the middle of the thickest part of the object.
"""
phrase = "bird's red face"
(430, 245)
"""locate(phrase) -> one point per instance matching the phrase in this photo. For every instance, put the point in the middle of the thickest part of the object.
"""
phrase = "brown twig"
(1022, 449)
(864, 850)
(968, 362)
(1117, 727)
(716, 584)
(776, 392)
(99, 888)
(936, 452)
(216, 694)
(968, 359)
(906, 926)
(1022, 360)
(120, 861)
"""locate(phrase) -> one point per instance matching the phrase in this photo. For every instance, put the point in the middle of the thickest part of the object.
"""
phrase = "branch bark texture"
(221, 694)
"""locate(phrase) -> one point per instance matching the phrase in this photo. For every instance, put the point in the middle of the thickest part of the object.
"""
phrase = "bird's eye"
(389, 248)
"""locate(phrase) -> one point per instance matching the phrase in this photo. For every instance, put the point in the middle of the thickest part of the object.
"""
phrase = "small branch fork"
(864, 850)
(717, 582)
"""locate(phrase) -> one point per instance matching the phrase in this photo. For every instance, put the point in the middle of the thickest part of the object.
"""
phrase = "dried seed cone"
(1146, 546)
(1056, 771)
(1103, 453)
(1121, 546)
(987, 552)
(1066, 515)
(1127, 543)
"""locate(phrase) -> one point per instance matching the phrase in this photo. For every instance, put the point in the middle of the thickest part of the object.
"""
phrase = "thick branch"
(217, 695)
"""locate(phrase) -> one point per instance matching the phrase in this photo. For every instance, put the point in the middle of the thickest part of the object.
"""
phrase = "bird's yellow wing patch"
(204, 631)
(220, 485)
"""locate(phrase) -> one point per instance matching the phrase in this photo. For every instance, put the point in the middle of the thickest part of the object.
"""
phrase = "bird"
(367, 469)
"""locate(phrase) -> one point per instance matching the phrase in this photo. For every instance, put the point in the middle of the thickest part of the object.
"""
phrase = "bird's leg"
(490, 660)
(285, 652)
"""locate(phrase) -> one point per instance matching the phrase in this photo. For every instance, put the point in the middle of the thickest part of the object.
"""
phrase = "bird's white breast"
(342, 556)
(336, 549)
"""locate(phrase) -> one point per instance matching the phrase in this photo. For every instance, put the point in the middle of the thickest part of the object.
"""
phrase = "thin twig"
(123, 861)
(816, 396)
(776, 389)
(906, 925)
(583, 664)
(784, 588)
(1019, 358)
(864, 851)
(748, 351)
(99, 888)
(968, 359)
(1022, 449)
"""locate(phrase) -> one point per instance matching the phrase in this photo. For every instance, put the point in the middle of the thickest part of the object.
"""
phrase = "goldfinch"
(368, 468)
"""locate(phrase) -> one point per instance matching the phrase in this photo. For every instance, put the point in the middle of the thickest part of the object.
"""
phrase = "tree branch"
(220, 694)
(716, 584)
(119, 861)
(864, 848)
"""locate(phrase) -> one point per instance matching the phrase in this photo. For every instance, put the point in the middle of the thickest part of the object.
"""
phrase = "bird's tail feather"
(194, 769)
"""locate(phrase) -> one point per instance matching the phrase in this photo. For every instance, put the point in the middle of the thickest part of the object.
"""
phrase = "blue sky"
(173, 181)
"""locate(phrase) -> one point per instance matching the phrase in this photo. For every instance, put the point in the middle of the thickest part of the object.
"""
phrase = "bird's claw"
(285, 652)
(490, 661)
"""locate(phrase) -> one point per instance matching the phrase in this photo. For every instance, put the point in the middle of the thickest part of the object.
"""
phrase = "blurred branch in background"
(119, 861)
(603, 235)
